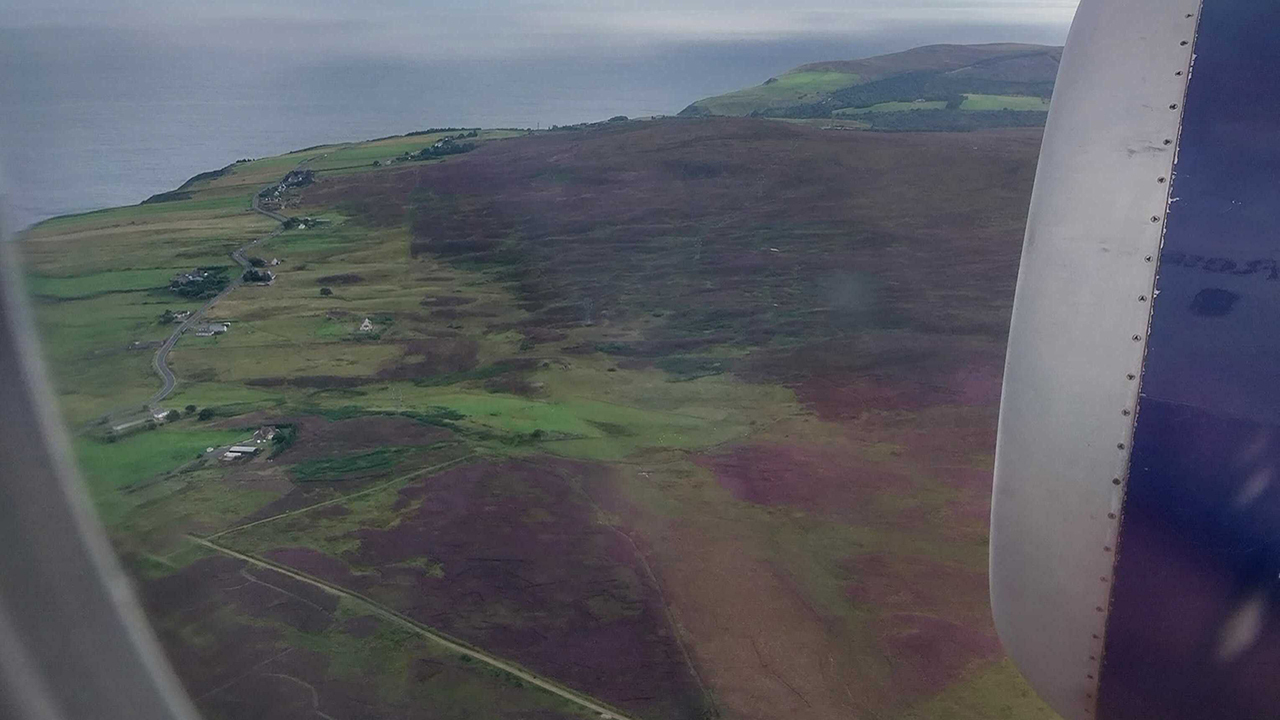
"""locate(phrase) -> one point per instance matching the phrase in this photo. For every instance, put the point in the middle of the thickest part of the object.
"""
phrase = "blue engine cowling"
(1135, 543)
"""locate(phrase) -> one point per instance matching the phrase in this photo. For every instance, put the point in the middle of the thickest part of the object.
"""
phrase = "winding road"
(160, 363)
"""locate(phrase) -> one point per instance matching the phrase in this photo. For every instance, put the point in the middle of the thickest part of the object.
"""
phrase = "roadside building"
(211, 329)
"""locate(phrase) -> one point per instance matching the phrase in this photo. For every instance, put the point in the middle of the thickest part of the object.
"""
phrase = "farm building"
(244, 449)
(366, 326)
(211, 329)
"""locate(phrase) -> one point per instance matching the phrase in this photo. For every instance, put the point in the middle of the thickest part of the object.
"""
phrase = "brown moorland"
(872, 274)
(694, 416)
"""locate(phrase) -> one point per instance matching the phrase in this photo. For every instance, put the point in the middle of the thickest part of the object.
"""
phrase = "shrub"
(190, 409)
(283, 439)
(205, 414)
(173, 416)
(325, 292)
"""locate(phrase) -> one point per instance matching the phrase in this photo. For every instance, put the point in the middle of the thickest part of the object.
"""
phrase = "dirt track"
(420, 629)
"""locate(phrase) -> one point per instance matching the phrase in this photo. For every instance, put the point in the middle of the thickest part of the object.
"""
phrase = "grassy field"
(894, 107)
(993, 77)
(1003, 102)
(692, 416)
(789, 89)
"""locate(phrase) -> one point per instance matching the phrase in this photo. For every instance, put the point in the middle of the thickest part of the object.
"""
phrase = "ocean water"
(92, 119)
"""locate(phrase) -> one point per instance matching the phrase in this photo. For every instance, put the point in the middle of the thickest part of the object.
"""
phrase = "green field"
(992, 77)
(788, 89)
(1003, 102)
(894, 107)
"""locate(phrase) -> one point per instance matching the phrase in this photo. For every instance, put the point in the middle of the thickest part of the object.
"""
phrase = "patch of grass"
(997, 693)
(348, 466)
(684, 367)
(83, 286)
(143, 455)
(198, 502)
(789, 89)
(1003, 102)
(406, 670)
(896, 106)
(109, 467)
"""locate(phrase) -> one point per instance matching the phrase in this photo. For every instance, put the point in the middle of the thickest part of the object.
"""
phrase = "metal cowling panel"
(1078, 337)
(1194, 628)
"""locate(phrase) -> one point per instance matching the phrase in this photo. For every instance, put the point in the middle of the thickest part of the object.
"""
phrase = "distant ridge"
(947, 87)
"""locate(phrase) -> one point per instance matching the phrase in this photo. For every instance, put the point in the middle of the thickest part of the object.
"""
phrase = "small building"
(366, 326)
(229, 456)
(159, 414)
(244, 449)
(181, 316)
(211, 329)
(264, 433)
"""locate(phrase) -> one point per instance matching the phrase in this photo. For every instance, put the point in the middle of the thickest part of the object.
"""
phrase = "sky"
(410, 29)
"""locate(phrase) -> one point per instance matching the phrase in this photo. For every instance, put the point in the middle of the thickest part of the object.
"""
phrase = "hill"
(945, 87)
(691, 416)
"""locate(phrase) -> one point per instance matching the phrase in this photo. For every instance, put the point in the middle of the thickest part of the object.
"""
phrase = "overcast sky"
(496, 28)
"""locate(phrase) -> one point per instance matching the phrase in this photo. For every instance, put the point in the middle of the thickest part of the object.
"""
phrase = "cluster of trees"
(448, 146)
(111, 435)
(204, 282)
(257, 262)
(255, 275)
(432, 131)
(283, 439)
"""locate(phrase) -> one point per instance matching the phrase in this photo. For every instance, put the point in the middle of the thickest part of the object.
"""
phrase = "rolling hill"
(689, 418)
(935, 87)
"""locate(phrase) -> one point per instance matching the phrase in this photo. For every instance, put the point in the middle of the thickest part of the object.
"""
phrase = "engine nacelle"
(1135, 540)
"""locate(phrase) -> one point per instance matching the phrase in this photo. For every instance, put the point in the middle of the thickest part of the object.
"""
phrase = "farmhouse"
(211, 329)
(366, 326)
(194, 276)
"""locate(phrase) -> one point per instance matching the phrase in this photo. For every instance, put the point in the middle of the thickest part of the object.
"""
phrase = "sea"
(95, 118)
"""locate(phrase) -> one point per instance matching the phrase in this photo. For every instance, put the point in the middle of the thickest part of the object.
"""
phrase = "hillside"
(691, 418)
(945, 87)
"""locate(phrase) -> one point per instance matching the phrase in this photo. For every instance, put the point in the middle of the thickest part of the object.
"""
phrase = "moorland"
(676, 418)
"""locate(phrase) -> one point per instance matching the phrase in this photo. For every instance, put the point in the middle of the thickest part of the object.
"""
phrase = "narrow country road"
(604, 711)
(160, 363)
